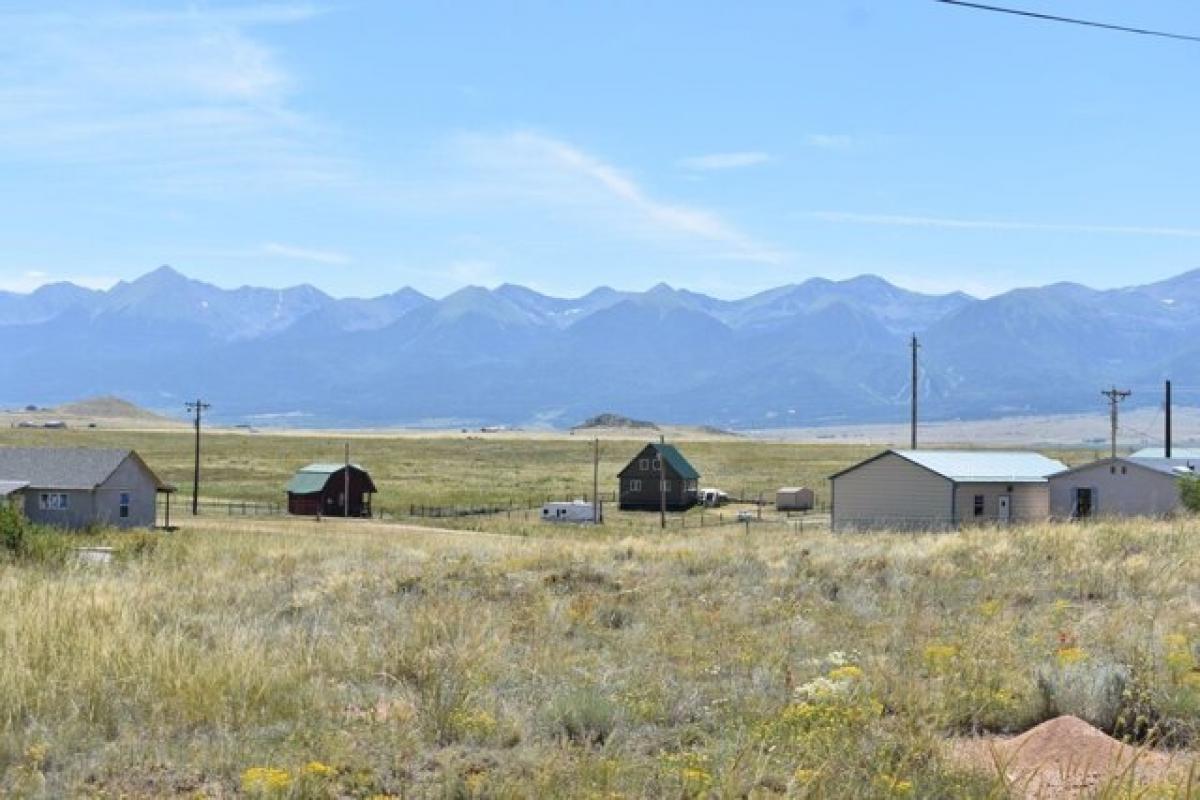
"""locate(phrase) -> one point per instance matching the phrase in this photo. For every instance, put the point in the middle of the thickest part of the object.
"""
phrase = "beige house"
(1121, 487)
(74, 487)
(941, 489)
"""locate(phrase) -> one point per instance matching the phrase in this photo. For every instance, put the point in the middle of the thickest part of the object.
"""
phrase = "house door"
(1083, 502)
(1003, 509)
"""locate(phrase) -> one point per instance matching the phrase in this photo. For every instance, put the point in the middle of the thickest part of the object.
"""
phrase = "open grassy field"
(449, 470)
(274, 657)
(269, 658)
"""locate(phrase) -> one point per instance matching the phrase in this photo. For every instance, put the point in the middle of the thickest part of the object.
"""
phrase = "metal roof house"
(941, 489)
(638, 487)
(1161, 452)
(1120, 487)
(74, 487)
(320, 490)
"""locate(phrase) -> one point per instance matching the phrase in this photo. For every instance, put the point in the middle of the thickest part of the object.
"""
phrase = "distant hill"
(614, 421)
(818, 352)
(108, 407)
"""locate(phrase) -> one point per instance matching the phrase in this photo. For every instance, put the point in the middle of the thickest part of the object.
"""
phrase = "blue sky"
(727, 148)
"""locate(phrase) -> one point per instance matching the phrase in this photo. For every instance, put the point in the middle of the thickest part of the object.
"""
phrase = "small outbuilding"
(320, 490)
(941, 489)
(638, 488)
(1120, 487)
(74, 487)
(794, 498)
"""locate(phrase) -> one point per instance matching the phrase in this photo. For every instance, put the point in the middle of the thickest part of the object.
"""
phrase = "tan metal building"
(1120, 487)
(794, 498)
(941, 489)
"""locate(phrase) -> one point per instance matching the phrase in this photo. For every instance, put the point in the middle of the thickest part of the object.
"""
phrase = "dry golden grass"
(284, 658)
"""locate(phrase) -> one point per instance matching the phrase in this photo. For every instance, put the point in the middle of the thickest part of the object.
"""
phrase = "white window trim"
(62, 503)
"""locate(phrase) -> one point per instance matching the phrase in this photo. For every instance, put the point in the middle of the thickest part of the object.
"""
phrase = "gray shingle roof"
(61, 467)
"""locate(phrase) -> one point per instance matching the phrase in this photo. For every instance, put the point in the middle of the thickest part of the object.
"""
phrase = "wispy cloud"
(304, 254)
(829, 141)
(556, 172)
(900, 220)
(176, 98)
(721, 161)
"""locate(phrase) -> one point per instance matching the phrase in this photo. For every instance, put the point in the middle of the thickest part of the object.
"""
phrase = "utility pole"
(1115, 396)
(596, 480)
(1167, 417)
(346, 485)
(198, 408)
(915, 347)
(662, 485)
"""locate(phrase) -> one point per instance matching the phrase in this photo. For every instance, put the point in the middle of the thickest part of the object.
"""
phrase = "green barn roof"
(314, 477)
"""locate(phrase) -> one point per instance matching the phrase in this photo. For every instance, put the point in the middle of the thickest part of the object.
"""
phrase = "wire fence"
(762, 511)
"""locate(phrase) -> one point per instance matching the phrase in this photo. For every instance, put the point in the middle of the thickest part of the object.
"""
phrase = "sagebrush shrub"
(1094, 691)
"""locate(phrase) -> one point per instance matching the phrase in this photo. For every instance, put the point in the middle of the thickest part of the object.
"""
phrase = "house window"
(52, 501)
(1123, 469)
(666, 486)
(124, 507)
(979, 505)
(643, 464)
(635, 485)
(657, 464)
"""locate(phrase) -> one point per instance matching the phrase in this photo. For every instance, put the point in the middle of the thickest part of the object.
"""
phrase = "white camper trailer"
(712, 498)
(573, 511)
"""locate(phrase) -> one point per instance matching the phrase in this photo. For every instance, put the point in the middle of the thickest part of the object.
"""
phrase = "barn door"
(1003, 507)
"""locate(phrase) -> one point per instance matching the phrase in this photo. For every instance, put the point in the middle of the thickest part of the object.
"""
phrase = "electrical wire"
(1070, 20)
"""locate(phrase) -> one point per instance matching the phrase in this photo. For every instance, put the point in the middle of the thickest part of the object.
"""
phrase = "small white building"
(573, 511)
(794, 498)
(1120, 487)
(916, 490)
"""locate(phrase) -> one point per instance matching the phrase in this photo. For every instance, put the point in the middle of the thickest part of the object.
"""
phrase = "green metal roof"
(678, 463)
(313, 477)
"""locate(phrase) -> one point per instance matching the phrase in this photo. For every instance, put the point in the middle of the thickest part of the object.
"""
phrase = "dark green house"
(638, 488)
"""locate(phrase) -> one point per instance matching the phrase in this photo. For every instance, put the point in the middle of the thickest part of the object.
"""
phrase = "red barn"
(320, 490)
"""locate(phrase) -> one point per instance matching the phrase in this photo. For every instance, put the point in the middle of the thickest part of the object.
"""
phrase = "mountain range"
(812, 353)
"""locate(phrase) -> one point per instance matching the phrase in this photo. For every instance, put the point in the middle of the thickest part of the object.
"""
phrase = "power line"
(1070, 20)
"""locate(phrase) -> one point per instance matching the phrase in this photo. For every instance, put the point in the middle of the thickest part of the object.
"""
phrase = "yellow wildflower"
(939, 656)
(802, 775)
(990, 608)
(319, 770)
(265, 780)
(846, 673)
(1070, 655)
(894, 786)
